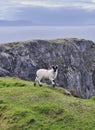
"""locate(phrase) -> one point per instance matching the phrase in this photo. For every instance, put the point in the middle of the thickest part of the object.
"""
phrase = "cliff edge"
(74, 57)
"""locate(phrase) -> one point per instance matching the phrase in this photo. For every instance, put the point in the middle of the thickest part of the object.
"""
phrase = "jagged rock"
(75, 58)
(4, 72)
(66, 92)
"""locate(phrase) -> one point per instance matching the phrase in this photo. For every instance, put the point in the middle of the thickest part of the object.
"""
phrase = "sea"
(23, 33)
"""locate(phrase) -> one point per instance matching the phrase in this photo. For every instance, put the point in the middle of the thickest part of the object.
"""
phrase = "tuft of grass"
(93, 98)
(25, 107)
(58, 41)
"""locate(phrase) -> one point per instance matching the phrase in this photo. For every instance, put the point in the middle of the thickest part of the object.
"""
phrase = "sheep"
(50, 74)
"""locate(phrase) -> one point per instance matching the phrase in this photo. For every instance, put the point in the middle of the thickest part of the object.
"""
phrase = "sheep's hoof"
(40, 85)
(53, 85)
(34, 84)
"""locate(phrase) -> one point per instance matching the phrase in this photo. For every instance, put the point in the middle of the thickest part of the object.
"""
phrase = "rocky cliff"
(74, 57)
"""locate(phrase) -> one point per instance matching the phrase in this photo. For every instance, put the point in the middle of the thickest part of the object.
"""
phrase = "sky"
(49, 12)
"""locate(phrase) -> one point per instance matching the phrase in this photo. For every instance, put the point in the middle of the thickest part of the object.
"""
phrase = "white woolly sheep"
(50, 74)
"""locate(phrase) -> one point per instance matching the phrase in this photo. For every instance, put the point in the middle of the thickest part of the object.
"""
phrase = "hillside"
(75, 59)
(25, 107)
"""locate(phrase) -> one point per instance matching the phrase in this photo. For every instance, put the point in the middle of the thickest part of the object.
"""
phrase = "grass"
(62, 41)
(9, 46)
(25, 107)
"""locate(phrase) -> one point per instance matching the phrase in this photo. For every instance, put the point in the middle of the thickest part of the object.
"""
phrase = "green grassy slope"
(25, 107)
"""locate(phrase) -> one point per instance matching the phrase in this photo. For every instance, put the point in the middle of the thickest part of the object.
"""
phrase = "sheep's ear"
(52, 66)
(56, 66)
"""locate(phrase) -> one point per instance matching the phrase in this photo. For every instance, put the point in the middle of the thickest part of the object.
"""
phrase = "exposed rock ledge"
(75, 58)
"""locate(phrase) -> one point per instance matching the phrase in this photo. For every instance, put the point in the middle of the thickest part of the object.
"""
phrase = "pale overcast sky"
(49, 11)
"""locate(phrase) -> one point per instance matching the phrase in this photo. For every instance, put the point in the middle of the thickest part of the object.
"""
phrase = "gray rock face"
(75, 58)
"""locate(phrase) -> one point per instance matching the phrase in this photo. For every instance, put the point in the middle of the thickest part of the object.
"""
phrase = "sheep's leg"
(53, 83)
(40, 84)
(39, 81)
(35, 81)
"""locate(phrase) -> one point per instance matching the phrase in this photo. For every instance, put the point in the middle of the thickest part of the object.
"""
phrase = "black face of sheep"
(55, 68)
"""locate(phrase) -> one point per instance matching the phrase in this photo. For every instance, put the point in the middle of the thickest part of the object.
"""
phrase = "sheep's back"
(42, 73)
